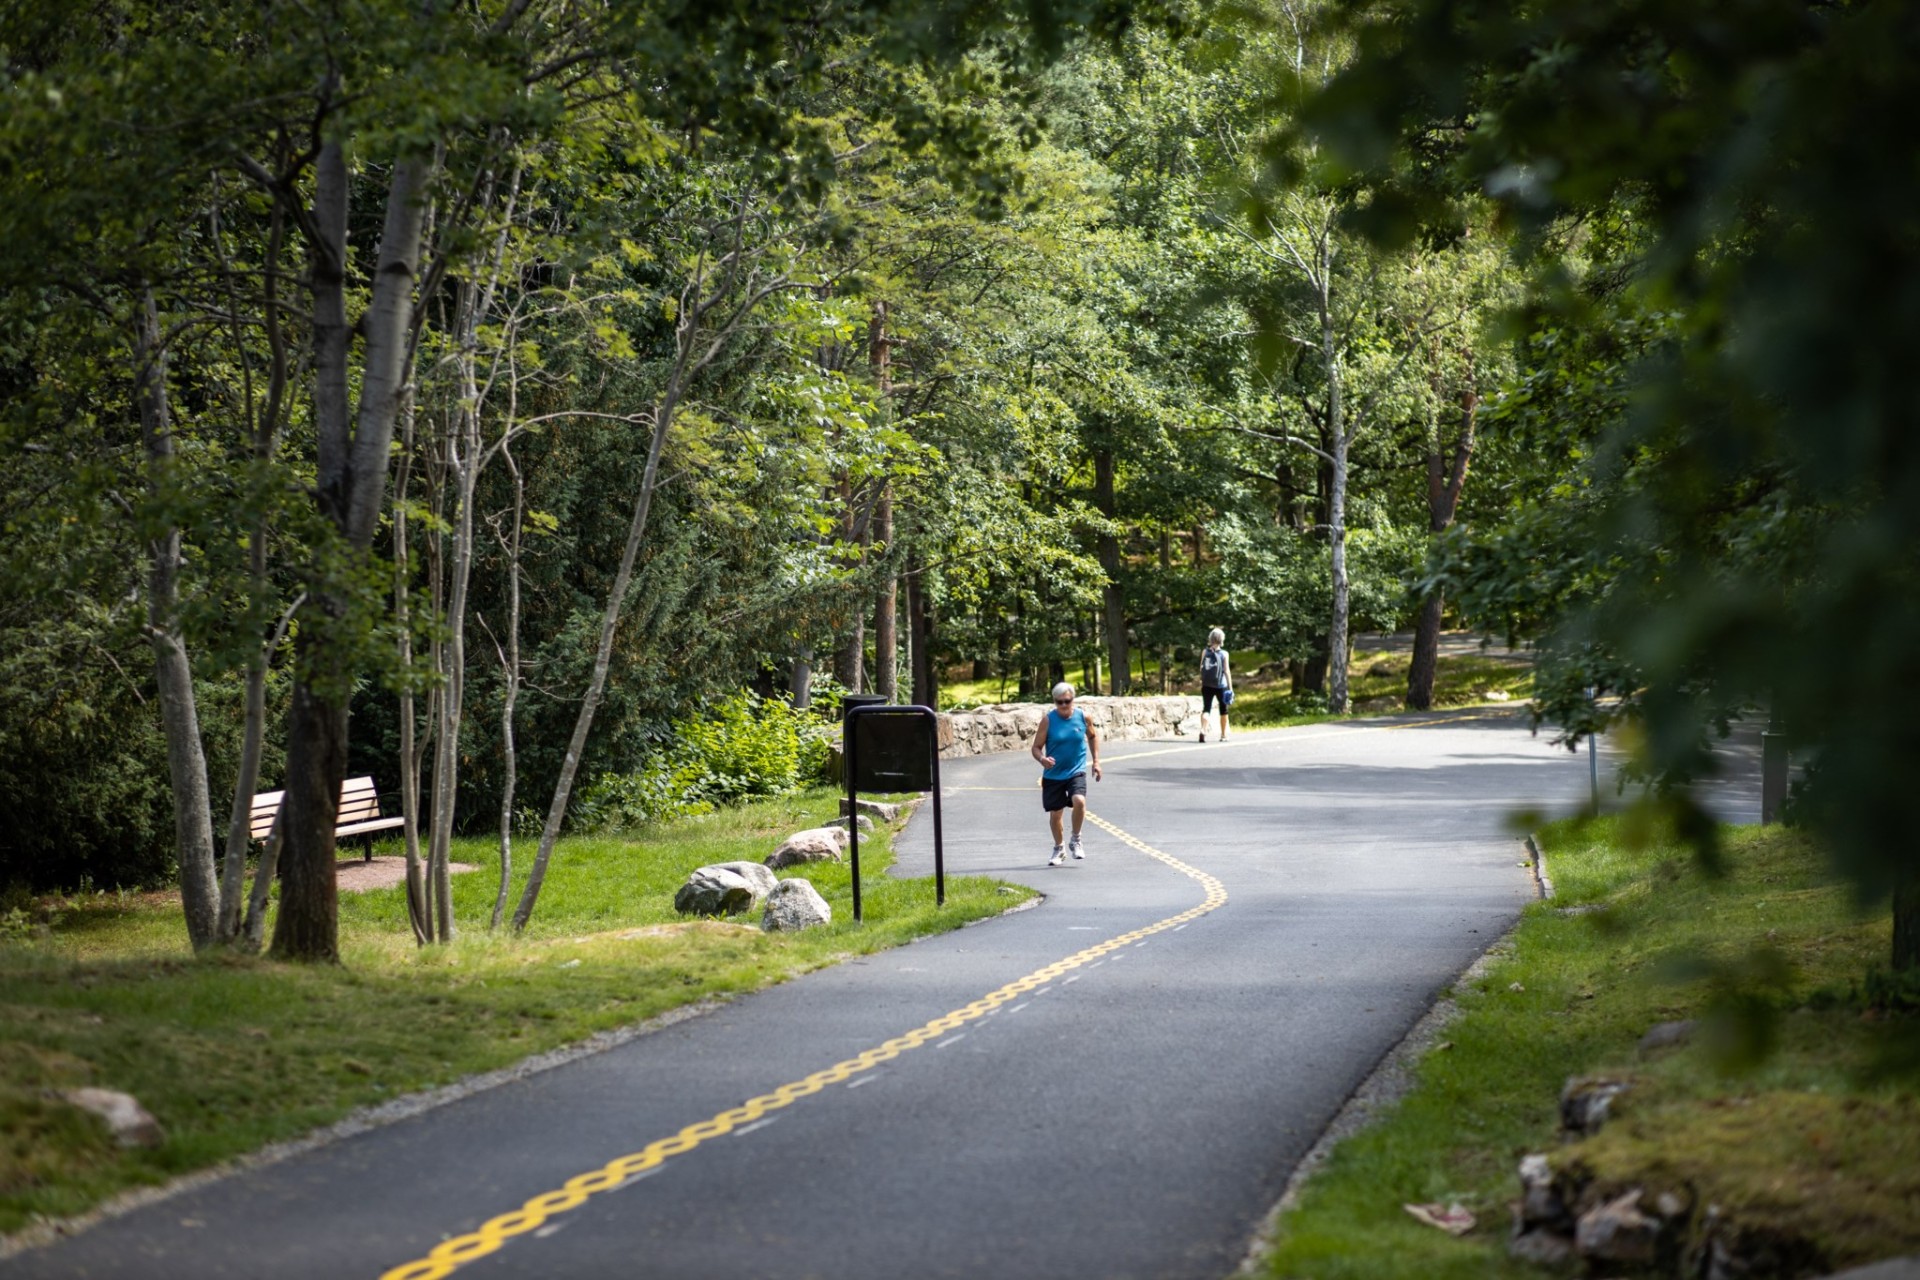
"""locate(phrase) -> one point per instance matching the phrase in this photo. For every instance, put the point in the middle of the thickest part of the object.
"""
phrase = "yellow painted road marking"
(452, 1254)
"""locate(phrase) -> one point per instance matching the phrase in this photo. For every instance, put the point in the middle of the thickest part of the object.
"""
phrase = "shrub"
(742, 747)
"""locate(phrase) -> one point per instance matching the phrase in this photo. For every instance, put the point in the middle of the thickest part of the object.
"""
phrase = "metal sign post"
(892, 748)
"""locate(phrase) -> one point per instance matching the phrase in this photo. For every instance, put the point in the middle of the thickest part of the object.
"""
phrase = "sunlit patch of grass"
(1377, 685)
(1818, 1122)
(106, 994)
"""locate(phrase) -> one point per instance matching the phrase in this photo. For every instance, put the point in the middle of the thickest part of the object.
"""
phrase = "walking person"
(1216, 681)
(1067, 746)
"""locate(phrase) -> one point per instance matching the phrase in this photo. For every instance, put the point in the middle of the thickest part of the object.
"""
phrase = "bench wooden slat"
(362, 828)
(359, 811)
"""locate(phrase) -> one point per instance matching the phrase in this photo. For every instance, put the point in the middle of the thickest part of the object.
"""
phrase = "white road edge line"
(953, 1039)
(746, 1129)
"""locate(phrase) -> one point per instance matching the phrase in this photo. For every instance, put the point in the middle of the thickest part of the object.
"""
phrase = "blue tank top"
(1067, 744)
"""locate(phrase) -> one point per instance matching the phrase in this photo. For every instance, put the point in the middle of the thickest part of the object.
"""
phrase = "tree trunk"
(663, 413)
(1446, 477)
(1313, 672)
(173, 674)
(920, 621)
(886, 636)
(1906, 926)
(307, 926)
(351, 484)
(254, 931)
(1340, 439)
(411, 752)
(800, 678)
(849, 660)
(1426, 653)
(233, 877)
(510, 677)
(886, 611)
(1337, 640)
(1119, 660)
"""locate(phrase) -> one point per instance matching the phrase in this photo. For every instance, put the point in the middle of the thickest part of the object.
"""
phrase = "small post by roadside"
(1593, 758)
(1773, 770)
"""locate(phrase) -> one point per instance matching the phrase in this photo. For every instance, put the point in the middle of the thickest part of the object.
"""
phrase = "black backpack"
(1212, 668)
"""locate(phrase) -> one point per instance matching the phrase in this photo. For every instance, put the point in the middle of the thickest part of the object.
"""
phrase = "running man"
(1067, 746)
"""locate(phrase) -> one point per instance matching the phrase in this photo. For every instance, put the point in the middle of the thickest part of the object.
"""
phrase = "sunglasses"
(1062, 702)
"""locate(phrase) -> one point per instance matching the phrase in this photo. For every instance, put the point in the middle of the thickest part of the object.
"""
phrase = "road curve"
(1113, 1084)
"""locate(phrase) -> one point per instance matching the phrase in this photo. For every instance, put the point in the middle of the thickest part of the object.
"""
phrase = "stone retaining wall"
(1010, 726)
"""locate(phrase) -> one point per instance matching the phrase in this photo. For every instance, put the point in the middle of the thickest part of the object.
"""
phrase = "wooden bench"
(359, 815)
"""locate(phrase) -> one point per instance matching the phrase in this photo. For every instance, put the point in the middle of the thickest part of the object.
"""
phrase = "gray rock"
(711, 891)
(1586, 1102)
(130, 1123)
(1541, 1205)
(1542, 1248)
(816, 844)
(1618, 1231)
(878, 810)
(1664, 1035)
(795, 904)
(1891, 1269)
(866, 823)
(754, 873)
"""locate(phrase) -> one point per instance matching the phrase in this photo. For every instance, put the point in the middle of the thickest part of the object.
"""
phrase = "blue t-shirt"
(1067, 743)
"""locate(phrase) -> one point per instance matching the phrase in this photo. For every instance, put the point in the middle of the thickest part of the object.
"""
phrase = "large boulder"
(795, 904)
(816, 844)
(754, 873)
(878, 810)
(717, 891)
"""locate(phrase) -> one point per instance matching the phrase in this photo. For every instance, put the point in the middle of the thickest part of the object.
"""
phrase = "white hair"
(1063, 689)
(1216, 636)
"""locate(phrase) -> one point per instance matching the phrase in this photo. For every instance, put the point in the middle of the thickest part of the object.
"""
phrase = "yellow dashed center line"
(452, 1254)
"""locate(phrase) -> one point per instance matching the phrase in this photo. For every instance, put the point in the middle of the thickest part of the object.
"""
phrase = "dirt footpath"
(357, 875)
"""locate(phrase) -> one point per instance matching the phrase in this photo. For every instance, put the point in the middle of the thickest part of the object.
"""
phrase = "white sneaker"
(1073, 847)
(1059, 856)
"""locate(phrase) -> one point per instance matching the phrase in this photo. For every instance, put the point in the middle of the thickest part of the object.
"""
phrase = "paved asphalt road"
(1135, 1065)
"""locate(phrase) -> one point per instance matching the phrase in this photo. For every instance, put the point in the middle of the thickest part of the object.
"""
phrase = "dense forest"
(486, 397)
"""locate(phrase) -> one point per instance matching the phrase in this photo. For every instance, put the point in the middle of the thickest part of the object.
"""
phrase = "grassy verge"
(1791, 1108)
(1377, 683)
(231, 1053)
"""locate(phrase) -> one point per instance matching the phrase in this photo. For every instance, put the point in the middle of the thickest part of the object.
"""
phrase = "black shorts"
(1208, 697)
(1058, 793)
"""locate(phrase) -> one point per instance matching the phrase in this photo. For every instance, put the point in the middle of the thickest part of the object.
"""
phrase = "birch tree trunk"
(663, 412)
(886, 657)
(510, 681)
(1340, 438)
(410, 750)
(173, 674)
(1119, 659)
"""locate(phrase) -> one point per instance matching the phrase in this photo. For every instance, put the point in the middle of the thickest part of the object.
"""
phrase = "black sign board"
(892, 748)
(892, 752)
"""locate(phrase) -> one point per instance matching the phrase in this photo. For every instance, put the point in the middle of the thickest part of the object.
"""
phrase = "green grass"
(1793, 1107)
(1377, 683)
(231, 1053)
